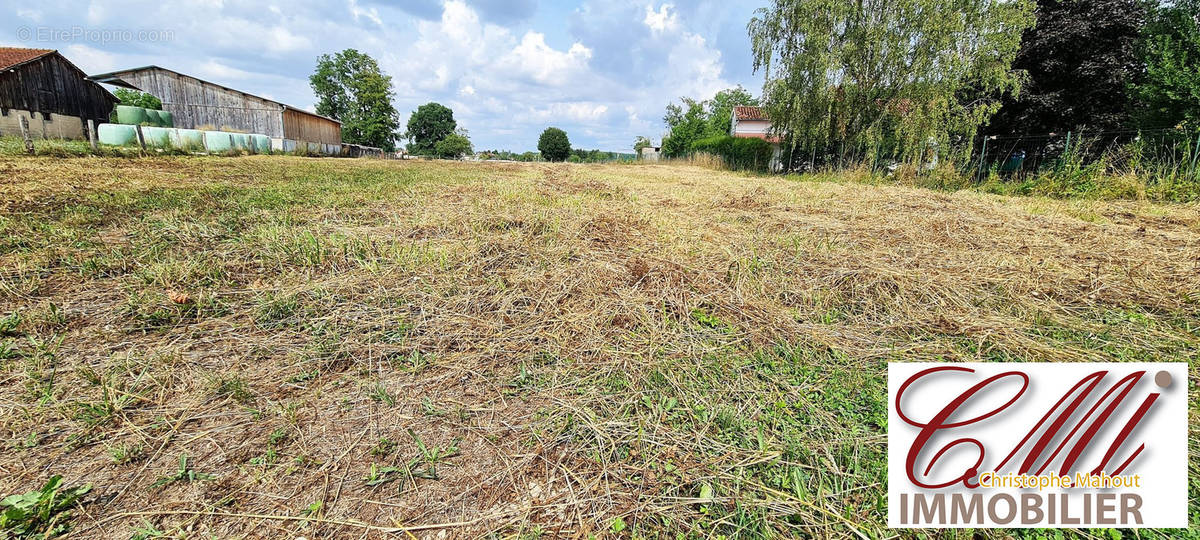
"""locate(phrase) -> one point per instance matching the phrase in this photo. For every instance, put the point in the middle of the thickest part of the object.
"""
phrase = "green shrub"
(454, 146)
(554, 144)
(138, 99)
(737, 152)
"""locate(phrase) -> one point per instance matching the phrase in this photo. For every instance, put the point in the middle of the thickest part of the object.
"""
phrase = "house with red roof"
(752, 122)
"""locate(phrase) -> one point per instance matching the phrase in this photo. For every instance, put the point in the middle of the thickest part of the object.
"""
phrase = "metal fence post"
(982, 159)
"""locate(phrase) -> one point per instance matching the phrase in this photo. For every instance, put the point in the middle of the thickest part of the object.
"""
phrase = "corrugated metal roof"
(750, 113)
(15, 56)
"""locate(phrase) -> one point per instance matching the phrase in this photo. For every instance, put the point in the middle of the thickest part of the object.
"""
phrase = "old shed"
(200, 104)
(55, 96)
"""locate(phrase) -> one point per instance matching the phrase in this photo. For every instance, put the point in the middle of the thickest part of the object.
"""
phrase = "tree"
(428, 125)
(454, 146)
(854, 80)
(686, 126)
(720, 109)
(138, 99)
(1169, 93)
(351, 89)
(641, 142)
(554, 144)
(1080, 60)
(694, 120)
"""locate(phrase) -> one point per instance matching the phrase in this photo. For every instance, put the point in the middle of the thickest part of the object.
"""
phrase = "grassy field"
(283, 347)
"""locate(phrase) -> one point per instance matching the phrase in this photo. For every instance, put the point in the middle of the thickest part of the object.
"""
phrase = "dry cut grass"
(270, 346)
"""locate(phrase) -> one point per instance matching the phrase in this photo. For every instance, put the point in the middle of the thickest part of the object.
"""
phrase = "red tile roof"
(11, 56)
(750, 113)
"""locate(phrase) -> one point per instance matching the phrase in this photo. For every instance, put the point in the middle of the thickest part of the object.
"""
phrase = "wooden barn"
(55, 97)
(199, 104)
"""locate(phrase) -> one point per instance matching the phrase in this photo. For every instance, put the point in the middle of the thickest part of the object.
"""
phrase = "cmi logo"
(1037, 445)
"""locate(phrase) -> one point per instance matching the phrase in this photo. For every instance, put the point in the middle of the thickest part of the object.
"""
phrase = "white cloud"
(583, 112)
(95, 60)
(281, 40)
(33, 15)
(662, 20)
(358, 12)
(545, 65)
(691, 59)
(96, 14)
(217, 71)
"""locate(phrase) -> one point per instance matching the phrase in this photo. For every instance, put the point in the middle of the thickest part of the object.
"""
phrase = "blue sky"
(602, 70)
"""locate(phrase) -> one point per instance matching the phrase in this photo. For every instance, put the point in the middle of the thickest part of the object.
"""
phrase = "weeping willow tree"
(908, 80)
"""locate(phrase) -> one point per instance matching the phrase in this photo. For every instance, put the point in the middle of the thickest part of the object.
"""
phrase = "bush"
(429, 124)
(138, 99)
(554, 145)
(738, 153)
(454, 146)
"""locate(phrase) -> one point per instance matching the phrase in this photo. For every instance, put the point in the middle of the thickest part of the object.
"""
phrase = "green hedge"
(738, 153)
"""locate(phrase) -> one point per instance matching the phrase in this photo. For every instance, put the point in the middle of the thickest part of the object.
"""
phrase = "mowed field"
(289, 347)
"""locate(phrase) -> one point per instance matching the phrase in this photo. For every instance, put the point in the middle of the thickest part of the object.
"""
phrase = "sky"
(603, 70)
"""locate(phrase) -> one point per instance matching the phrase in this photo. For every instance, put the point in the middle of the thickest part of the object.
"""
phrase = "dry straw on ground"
(370, 349)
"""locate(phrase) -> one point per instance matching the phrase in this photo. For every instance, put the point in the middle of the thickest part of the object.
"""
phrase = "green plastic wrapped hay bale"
(285, 145)
(188, 139)
(218, 141)
(157, 137)
(262, 144)
(153, 118)
(240, 141)
(168, 119)
(116, 134)
(131, 116)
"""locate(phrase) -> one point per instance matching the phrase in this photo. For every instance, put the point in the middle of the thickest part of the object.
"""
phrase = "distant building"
(752, 122)
(649, 153)
(48, 90)
(199, 104)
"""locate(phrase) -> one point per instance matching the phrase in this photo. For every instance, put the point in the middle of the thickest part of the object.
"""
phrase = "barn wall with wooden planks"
(51, 84)
(200, 104)
(302, 126)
